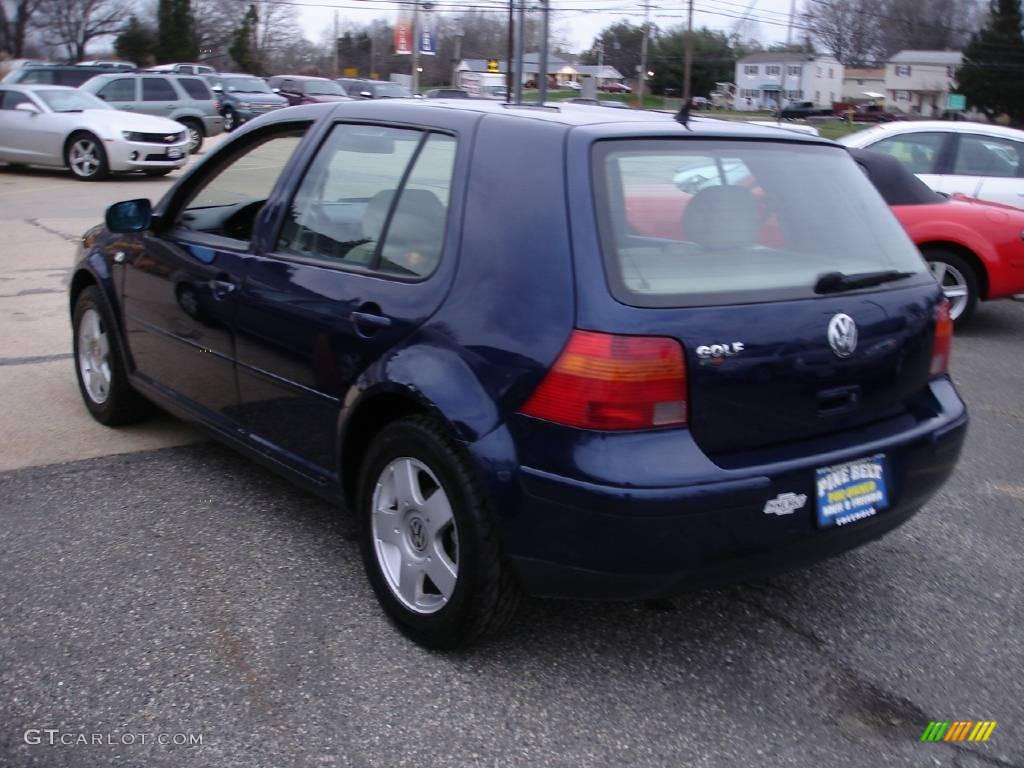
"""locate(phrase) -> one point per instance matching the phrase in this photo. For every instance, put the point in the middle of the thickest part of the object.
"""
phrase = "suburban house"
(919, 81)
(771, 79)
(863, 84)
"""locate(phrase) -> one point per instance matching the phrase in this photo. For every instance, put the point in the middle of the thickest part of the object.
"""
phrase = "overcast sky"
(579, 21)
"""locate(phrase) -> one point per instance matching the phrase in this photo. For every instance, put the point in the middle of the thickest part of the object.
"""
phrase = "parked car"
(374, 89)
(108, 64)
(183, 68)
(597, 102)
(572, 85)
(975, 249)
(446, 93)
(863, 113)
(614, 87)
(801, 109)
(72, 75)
(61, 127)
(307, 90)
(331, 294)
(243, 97)
(187, 100)
(974, 159)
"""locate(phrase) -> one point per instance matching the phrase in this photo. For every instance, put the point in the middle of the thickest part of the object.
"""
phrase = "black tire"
(958, 270)
(81, 169)
(157, 171)
(230, 119)
(122, 404)
(196, 134)
(485, 595)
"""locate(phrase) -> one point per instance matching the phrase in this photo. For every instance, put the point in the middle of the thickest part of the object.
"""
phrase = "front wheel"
(86, 158)
(102, 378)
(230, 120)
(195, 136)
(429, 542)
(958, 280)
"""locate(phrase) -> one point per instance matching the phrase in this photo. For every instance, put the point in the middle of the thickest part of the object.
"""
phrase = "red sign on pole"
(403, 33)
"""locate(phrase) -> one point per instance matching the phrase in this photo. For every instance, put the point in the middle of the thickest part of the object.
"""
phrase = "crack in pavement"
(64, 235)
(34, 360)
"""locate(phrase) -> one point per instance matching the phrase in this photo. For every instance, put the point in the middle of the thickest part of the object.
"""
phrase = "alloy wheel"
(954, 286)
(195, 139)
(415, 539)
(94, 356)
(84, 158)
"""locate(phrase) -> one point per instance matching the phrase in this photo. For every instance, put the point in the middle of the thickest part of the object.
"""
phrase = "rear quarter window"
(699, 223)
(158, 89)
(195, 88)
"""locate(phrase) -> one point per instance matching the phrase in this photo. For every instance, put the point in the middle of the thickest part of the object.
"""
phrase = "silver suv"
(183, 98)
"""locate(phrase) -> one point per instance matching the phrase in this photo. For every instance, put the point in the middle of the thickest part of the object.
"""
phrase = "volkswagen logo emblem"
(417, 534)
(842, 335)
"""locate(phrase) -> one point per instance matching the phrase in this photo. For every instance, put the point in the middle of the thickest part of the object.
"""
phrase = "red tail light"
(943, 339)
(216, 107)
(607, 382)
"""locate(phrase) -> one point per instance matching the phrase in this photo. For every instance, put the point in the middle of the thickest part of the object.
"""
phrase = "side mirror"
(130, 216)
(27, 107)
(366, 94)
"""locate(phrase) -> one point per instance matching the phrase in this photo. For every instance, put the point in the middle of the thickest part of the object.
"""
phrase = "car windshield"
(391, 90)
(696, 223)
(70, 100)
(245, 85)
(324, 88)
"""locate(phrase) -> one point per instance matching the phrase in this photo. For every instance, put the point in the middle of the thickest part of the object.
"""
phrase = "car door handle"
(222, 288)
(371, 320)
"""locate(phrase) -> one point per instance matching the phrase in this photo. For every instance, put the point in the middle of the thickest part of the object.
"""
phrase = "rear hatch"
(802, 306)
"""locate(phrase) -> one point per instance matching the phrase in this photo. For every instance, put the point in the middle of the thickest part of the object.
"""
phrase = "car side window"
(158, 89)
(361, 206)
(11, 99)
(122, 89)
(227, 202)
(919, 152)
(979, 155)
(195, 88)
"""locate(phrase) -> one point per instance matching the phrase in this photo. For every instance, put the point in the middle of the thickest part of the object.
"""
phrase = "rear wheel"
(959, 282)
(430, 545)
(85, 156)
(195, 135)
(102, 378)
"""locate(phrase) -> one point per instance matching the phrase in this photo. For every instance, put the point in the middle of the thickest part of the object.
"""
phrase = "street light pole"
(520, 44)
(542, 75)
(643, 56)
(688, 56)
(416, 47)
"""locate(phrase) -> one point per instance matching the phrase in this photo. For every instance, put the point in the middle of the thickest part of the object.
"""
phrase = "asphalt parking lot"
(154, 583)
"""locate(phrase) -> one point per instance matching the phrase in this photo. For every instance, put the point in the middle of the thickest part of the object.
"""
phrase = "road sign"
(492, 65)
(956, 102)
(350, 72)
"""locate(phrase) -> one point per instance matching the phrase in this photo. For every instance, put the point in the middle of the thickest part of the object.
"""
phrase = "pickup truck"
(797, 109)
(863, 113)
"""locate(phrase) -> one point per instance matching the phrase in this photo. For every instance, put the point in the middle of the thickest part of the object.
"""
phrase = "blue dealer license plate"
(851, 492)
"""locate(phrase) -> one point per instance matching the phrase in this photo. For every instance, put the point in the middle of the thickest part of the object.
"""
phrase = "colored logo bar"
(958, 730)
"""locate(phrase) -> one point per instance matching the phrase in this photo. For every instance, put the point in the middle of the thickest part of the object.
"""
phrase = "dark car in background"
(799, 109)
(306, 90)
(519, 397)
(446, 93)
(72, 75)
(243, 97)
(375, 89)
(184, 99)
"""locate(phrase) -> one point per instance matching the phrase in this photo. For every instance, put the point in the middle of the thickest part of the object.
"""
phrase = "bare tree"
(851, 30)
(14, 25)
(73, 24)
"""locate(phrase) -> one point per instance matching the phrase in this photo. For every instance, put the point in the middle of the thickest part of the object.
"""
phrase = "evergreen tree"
(176, 39)
(992, 75)
(242, 48)
(136, 43)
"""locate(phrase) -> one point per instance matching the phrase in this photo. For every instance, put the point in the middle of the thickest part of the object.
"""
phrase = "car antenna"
(683, 115)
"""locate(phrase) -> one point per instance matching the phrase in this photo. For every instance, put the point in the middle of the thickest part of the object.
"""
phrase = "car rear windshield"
(703, 222)
(323, 88)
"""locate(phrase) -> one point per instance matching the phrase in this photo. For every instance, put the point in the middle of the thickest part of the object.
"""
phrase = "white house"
(859, 83)
(919, 81)
(770, 79)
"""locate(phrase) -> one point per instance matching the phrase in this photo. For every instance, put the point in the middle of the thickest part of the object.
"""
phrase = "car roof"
(952, 126)
(609, 122)
(35, 87)
(299, 77)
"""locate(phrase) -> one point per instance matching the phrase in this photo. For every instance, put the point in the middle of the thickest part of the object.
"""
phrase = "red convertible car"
(975, 248)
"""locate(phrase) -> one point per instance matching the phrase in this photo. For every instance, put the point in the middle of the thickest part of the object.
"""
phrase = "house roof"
(864, 74)
(603, 73)
(927, 57)
(774, 56)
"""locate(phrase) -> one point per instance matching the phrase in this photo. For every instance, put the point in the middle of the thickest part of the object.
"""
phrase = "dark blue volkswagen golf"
(556, 351)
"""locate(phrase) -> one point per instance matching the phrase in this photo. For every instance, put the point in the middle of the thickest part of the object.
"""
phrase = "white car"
(975, 159)
(64, 127)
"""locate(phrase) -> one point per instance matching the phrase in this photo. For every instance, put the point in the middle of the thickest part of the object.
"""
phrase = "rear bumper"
(580, 539)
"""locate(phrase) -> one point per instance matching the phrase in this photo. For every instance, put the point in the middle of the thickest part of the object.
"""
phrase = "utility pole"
(511, 44)
(337, 73)
(416, 47)
(688, 56)
(459, 32)
(792, 18)
(542, 75)
(643, 56)
(520, 43)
